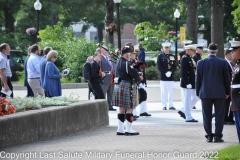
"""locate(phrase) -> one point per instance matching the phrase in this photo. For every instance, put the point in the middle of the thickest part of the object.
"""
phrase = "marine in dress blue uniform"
(187, 83)
(166, 64)
(235, 46)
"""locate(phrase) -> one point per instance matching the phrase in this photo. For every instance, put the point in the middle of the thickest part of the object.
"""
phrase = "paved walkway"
(164, 135)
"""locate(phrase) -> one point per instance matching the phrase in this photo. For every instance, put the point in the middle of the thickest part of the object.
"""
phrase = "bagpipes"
(138, 64)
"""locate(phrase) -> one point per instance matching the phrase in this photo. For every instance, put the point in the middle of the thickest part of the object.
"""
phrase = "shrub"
(150, 63)
(176, 75)
(72, 52)
(151, 73)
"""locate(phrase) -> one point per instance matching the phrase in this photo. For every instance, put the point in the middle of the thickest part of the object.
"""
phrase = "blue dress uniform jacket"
(166, 63)
(188, 68)
(236, 91)
(217, 78)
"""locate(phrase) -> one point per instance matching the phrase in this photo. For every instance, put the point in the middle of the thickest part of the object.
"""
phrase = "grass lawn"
(229, 153)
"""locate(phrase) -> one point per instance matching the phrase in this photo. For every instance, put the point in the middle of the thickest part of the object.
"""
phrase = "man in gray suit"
(108, 84)
(213, 87)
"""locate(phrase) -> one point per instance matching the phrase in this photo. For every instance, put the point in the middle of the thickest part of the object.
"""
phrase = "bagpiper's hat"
(234, 45)
(126, 49)
(212, 47)
(166, 44)
(200, 45)
(187, 42)
(191, 47)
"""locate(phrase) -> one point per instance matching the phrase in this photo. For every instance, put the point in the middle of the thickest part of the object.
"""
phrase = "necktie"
(110, 64)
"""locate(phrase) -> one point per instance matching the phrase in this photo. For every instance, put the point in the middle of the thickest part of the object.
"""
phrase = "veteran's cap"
(191, 46)
(234, 45)
(212, 47)
(166, 44)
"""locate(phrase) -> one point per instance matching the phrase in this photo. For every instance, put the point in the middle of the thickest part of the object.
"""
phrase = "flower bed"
(9, 106)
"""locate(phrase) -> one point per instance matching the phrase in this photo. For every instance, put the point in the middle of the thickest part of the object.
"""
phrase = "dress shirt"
(33, 66)
(4, 63)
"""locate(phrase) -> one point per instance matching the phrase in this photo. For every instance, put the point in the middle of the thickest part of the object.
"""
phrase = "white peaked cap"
(166, 44)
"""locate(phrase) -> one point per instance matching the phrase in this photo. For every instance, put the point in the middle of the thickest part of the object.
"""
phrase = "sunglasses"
(55, 57)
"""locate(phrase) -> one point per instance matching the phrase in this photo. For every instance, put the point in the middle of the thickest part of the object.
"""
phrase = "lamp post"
(176, 16)
(118, 24)
(37, 7)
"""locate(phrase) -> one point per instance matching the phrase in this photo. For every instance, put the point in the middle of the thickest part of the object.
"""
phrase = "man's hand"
(227, 96)
(103, 74)
(189, 86)
(6, 88)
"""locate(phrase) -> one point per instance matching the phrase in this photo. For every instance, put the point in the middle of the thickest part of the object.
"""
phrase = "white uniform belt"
(236, 86)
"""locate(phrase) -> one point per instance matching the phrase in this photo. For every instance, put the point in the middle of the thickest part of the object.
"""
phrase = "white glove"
(168, 74)
(189, 86)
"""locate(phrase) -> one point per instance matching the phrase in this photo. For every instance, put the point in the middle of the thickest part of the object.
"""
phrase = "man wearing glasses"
(166, 64)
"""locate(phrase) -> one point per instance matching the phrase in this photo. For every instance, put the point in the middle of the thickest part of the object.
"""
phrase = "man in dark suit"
(228, 119)
(188, 68)
(166, 64)
(108, 83)
(213, 87)
(29, 89)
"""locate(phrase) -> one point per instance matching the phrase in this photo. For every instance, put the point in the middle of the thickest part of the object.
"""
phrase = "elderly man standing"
(213, 87)
(166, 64)
(5, 70)
(33, 71)
(108, 83)
(29, 90)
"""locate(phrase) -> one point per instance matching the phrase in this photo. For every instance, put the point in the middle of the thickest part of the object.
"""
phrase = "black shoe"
(217, 139)
(172, 108)
(145, 114)
(232, 122)
(164, 108)
(209, 138)
(194, 107)
(131, 134)
(120, 134)
(136, 116)
(192, 120)
(226, 122)
(182, 114)
(112, 109)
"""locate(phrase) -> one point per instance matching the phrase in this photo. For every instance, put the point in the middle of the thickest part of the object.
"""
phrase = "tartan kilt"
(121, 95)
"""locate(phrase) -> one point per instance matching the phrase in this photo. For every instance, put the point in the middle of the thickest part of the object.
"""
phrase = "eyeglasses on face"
(55, 57)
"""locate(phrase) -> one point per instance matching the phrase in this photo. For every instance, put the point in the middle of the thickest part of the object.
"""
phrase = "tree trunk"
(100, 33)
(9, 21)
(217, 25)
(109, 19)
(192, 29)
(55, 17)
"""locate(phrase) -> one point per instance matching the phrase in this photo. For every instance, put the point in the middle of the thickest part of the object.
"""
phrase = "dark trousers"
(219, 105)
(228, 113)
(237, 122)
(89, 90)
(97, 90)
(144, 77)
(29, 91)
(9, 85)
